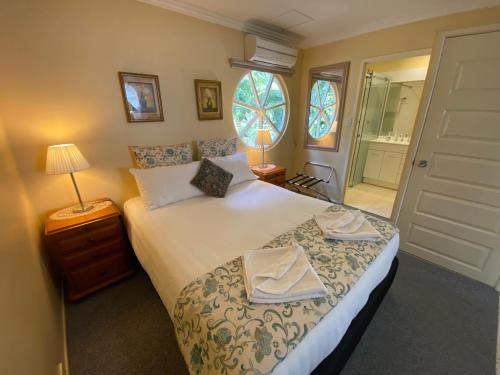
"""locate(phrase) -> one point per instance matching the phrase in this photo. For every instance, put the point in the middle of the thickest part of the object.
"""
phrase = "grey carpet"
(431, 322)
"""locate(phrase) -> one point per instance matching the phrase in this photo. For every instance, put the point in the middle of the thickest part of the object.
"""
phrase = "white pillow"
(237, 164)
(160, 186)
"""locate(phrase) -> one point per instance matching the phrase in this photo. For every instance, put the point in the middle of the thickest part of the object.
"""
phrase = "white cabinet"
(373, 164)
(390, 166)
(384, 164)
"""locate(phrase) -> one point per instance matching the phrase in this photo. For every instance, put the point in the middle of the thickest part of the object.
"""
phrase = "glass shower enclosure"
(373, 102)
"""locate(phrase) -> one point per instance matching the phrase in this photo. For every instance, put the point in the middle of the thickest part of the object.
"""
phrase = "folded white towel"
(339, 219)
(280, 275)
(342, 221)
(346, 225)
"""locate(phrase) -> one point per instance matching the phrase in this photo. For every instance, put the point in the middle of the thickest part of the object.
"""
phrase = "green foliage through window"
(259, 102)
(323, 108)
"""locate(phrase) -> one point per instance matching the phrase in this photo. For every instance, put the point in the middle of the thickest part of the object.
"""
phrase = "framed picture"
(141, 97)
(208, 99)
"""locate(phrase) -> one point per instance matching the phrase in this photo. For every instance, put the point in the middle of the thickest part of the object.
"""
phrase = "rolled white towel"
(280, 275)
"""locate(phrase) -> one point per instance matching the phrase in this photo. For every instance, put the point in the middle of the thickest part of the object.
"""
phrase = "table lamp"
(66, 158)
(263, 138)
(333, 129)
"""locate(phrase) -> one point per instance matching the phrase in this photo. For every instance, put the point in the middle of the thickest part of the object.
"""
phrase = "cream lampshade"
(66, 158)
(263, 138)
(333, 129)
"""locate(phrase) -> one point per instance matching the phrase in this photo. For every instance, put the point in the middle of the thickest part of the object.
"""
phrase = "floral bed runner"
(220, 332)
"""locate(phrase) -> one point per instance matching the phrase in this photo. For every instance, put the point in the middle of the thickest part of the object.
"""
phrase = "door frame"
(430, 82)
(357, 112)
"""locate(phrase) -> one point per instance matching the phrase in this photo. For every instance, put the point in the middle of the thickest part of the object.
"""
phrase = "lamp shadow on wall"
(128, 186)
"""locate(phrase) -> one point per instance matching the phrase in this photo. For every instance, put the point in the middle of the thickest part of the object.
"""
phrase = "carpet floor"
(432, 321)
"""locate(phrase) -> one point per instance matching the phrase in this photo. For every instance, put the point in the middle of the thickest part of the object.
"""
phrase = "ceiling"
(314, 22)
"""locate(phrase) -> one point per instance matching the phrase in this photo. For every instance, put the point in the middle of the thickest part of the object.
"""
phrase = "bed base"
(337, 359)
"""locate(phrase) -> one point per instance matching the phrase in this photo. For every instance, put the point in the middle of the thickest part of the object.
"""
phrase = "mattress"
(179, 242)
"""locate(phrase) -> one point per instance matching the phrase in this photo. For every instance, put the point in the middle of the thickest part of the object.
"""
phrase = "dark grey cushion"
(212, 179)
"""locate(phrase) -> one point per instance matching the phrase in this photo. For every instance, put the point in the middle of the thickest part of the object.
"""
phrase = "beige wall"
(59, 84)
(30, 309)
(410, 37)
(415, 62)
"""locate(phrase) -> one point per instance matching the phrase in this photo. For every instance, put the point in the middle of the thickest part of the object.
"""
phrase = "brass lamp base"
(79, 210)
(82, 208)
(265, 166)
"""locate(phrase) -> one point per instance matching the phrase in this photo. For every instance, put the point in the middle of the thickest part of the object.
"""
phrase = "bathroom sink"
(390, 141)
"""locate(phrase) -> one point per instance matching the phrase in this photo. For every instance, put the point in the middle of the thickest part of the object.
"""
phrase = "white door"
(451, 209)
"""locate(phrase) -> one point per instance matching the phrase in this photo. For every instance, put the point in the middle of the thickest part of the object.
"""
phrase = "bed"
(179, 242)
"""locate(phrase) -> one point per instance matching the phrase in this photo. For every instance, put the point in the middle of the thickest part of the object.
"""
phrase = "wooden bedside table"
(88, 252)
(276, 175)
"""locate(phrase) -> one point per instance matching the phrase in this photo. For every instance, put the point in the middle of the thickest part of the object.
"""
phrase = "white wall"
(410, 37)
(30, 308)
(60, 61)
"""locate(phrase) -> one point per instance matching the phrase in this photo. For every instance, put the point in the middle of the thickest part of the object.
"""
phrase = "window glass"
(260, 101)
(323, 108)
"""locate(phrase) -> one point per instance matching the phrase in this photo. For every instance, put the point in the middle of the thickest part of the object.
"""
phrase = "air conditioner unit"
(264, 51)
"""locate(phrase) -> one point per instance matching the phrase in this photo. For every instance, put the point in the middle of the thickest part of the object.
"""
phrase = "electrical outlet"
(60, 369)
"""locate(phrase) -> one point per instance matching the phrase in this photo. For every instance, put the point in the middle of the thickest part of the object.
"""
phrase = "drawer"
(78, 239)
(390, 147)
(95, 274)
(280, 180)
(274, 175)
(98, 232)
(76, 242)
(111, 222)
(92, 254)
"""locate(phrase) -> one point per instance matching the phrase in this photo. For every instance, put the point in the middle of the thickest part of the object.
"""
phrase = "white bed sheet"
(177, 243)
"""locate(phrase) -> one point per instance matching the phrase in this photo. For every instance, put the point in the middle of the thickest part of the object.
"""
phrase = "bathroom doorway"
(390, 97)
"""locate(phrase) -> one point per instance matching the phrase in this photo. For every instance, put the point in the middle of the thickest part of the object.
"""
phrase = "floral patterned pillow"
(162, 156)
(217, 147)
(212, 179)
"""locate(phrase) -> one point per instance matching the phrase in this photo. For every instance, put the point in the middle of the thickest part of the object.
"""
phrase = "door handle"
(422, 163)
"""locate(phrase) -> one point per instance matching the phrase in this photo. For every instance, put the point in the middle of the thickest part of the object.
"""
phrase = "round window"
(323, 108)
(260, 102)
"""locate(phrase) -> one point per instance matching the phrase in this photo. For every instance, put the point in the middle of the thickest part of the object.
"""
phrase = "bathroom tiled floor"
(371, 198)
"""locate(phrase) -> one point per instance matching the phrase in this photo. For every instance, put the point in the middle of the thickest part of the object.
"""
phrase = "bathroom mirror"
(326, 96)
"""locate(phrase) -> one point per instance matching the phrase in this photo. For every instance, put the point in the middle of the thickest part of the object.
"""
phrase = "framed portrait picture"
(141, 97)
(208, 99)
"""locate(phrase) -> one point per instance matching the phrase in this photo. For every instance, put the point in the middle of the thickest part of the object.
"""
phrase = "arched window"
(260, 101)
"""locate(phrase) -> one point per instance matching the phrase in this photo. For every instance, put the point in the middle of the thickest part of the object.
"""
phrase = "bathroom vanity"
(384, 162)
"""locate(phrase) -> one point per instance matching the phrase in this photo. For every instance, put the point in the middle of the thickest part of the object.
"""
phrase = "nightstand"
(276, 175)
(88, 252)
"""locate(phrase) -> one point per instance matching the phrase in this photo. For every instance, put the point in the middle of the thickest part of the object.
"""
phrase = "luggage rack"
(303, 183)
